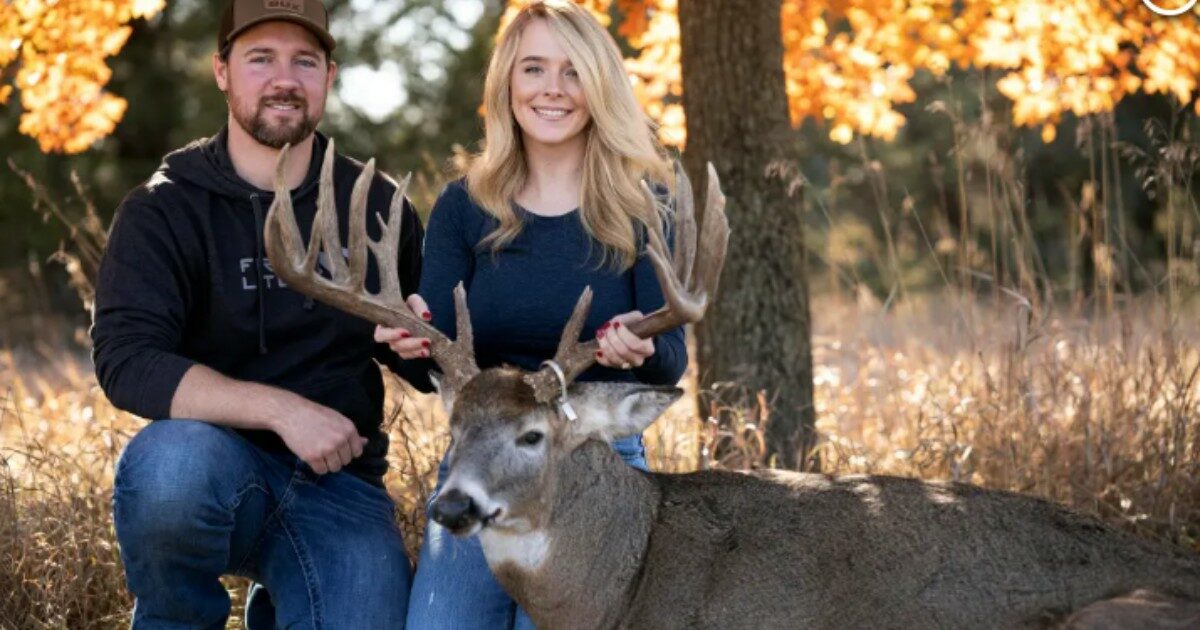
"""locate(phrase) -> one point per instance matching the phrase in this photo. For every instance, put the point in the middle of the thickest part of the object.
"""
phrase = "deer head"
(507, 425)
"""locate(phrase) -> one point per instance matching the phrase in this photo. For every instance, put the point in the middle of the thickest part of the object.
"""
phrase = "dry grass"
(1096, 414)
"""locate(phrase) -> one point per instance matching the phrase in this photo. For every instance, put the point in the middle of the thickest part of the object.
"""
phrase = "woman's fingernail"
(425, 344)
(600, 334)
(599, 354)
(616, 325)
(427, 316)
(605, 325)
(404, 334)
(425, 353)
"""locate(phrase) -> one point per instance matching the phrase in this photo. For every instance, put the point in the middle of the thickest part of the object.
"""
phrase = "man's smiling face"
(276, 79)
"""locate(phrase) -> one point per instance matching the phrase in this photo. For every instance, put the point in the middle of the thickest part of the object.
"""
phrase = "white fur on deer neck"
(526, 550)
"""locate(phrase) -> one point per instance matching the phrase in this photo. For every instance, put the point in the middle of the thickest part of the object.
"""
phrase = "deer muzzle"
(455, 510)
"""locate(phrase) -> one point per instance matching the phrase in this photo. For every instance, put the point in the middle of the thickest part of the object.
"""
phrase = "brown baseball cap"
(242, 14)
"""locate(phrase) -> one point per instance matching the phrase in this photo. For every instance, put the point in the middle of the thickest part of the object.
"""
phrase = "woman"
(551, 205)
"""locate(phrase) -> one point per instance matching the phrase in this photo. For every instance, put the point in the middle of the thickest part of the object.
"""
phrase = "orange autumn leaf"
(635, 18)
(60, 48)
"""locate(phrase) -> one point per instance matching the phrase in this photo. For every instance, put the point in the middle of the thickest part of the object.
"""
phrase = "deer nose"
(454, 510)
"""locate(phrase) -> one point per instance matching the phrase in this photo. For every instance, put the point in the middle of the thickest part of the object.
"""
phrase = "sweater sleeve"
(142, 297)
(449, 255)
(670, 358)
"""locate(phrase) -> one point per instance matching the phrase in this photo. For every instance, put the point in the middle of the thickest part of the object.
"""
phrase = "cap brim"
(322, 36)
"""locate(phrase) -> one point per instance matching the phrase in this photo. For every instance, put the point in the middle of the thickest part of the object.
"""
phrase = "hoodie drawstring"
(258, 270)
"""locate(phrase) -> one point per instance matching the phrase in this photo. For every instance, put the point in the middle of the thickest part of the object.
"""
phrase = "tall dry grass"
(1097, 414)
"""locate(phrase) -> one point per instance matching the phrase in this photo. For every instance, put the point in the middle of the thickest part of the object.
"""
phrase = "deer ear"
(615, 410)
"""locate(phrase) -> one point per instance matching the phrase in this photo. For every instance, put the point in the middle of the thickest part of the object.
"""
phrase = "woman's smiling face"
(547, 97)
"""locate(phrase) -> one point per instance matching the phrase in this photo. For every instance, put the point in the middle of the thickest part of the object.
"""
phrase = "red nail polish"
(427, 316)
(425, 344)
(605, 325)
(616, 325)
(600, 334)
(599, 354)
(404, 334)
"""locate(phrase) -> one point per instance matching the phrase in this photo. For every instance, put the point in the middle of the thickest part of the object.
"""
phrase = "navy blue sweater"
(521, 297)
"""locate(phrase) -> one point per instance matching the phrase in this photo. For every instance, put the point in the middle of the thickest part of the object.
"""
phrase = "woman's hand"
(400, 340)
(620, 348)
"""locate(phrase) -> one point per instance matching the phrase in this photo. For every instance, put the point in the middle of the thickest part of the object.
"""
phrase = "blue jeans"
(454, 589)
(193, 501)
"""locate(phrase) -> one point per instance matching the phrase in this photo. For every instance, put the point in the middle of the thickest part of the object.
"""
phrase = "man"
(265, 458)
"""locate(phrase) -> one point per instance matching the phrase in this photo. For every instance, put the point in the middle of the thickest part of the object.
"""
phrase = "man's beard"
(276, 135)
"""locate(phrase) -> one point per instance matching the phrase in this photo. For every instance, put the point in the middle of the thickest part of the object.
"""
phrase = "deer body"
(580, 540)
(625, 549)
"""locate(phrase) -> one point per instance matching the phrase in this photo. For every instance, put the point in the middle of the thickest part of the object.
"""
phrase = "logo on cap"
(296, 6)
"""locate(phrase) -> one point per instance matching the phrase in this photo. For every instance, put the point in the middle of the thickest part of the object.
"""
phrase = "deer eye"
(530, 438)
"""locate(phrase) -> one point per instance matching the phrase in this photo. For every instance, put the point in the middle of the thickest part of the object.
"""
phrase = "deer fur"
(581, 540)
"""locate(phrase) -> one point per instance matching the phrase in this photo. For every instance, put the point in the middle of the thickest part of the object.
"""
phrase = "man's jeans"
(193, 501)
(455, 590)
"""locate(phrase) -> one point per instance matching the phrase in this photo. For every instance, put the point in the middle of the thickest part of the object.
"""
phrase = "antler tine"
(714, 235)
(685, 227)
(385, 249)
(358, 226)
(456, 358)
(465, 336)
(345, 289)
(325, 224)
(687, 296)
(572, 356)
(688, 283)
(570, 334)
(281, 229)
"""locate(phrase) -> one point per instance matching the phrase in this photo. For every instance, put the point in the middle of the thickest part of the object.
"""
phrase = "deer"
(581, 540)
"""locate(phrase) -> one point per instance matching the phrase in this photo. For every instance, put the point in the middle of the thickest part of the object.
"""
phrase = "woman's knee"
(632, 449)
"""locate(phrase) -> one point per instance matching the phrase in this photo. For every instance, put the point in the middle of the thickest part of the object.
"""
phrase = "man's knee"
(382, 576)
(174, 472)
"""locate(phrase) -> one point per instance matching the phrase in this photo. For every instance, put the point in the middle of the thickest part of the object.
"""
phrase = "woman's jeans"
(193, 501)
(454, 589)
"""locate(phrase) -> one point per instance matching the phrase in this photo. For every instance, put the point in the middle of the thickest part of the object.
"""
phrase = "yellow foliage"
(61, 47)
(851, 62)
(847, 62)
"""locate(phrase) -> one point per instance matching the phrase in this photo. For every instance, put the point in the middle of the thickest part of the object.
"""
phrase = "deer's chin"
(470, 529)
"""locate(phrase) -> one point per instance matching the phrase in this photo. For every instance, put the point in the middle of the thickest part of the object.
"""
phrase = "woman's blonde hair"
(621, 149)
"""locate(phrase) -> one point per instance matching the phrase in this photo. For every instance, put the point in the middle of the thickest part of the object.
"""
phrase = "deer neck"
(580, 568)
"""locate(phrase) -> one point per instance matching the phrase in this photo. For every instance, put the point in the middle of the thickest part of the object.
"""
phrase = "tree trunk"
(756, 334)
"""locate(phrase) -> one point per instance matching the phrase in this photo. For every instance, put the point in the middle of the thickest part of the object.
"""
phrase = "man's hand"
(400, 340)
(325, 439)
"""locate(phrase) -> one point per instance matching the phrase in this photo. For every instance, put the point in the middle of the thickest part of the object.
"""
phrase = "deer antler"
(688, 282)
(346, 289)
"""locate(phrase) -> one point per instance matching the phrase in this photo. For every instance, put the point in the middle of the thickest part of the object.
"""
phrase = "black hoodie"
(185, 280)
